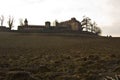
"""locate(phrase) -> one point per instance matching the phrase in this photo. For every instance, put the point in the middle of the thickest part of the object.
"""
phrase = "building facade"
(70, 25)
(74, 24)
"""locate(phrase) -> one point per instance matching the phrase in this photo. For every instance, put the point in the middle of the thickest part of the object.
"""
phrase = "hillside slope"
(58, 56)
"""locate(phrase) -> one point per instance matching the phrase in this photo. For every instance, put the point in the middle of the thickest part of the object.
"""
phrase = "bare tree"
(89, 26)
(21, 22)
(86, 22)
(10, 22)
(56, 23)
(94, 25)
(1, 20)
(98, 31)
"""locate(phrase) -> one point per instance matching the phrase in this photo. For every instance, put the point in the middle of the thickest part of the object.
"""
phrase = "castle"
(72, 25)
(69, 25)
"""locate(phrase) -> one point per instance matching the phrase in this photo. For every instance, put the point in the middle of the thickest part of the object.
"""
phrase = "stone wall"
(73, 23)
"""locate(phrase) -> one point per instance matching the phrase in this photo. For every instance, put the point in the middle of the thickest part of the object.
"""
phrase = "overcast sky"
(104, 12)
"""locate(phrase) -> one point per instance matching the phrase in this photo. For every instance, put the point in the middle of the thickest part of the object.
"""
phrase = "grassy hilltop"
(49, 56)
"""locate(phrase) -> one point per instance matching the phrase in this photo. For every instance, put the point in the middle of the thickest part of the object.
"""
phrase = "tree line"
(9, 22)
(88, 26)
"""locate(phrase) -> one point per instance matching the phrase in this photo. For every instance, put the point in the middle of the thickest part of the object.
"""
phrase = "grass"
(49, 56)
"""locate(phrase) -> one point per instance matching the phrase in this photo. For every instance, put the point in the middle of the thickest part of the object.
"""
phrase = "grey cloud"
(34, 1)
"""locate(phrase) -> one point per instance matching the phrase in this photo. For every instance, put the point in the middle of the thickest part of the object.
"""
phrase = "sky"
(104, 12)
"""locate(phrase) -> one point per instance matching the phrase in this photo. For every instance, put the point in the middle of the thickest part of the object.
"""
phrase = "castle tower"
(47, 24)
(26, 22)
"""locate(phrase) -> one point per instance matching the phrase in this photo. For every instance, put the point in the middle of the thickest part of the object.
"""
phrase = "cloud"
(33, 1)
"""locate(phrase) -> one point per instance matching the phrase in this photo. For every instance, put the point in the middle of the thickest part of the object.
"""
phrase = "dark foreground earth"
(50, 56)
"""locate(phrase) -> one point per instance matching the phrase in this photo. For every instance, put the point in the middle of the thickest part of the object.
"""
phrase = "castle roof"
(33, 26)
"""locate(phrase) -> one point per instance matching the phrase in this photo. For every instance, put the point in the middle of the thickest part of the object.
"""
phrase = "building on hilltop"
(74, 24)
(33, 28)
(70, 25)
